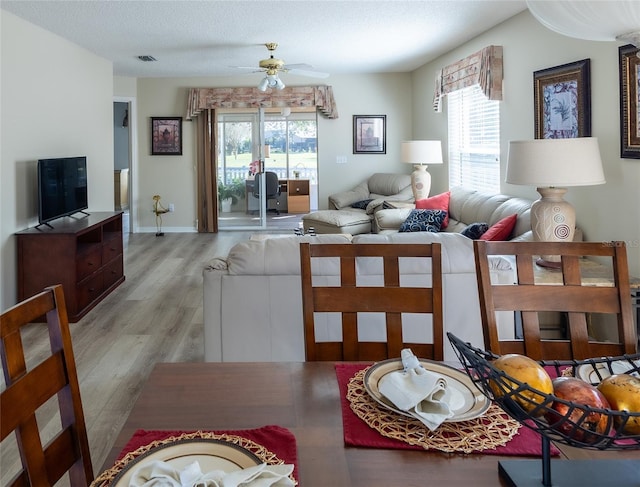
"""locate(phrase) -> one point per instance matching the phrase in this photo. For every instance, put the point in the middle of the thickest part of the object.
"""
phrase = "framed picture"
(166, 136)
(369, 134)
(562, 101)
(629, 102)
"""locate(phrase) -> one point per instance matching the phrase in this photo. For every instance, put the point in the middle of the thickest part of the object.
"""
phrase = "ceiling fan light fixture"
(271, 81)
(264, 83)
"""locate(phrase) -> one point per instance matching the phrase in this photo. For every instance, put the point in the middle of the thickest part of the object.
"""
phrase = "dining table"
(305, 399)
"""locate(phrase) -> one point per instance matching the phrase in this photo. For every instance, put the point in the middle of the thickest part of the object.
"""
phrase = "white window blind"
(474, 140)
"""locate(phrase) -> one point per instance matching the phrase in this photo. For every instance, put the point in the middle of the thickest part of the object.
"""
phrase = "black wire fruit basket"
(580, 426)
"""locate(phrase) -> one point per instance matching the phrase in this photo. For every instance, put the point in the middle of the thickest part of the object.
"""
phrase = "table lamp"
(420, 153)
(552, 165)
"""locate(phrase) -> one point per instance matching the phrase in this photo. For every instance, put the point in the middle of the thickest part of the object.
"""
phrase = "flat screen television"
(62, 187)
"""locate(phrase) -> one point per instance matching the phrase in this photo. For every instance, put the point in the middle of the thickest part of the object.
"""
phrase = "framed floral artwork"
(629, 102)
(166, 136)
(562, 101)
(369, 134)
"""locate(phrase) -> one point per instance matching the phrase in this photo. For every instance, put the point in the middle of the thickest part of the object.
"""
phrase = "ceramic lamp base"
(420, 182)
(552, 220)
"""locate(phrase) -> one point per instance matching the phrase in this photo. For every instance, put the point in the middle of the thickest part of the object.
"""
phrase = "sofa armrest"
(345, 199)
(390, 219)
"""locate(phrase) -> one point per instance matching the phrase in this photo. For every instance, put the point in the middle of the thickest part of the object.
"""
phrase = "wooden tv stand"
(83, 253)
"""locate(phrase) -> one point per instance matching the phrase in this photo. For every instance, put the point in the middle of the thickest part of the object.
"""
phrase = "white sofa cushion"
(457, 250)
(273, 257)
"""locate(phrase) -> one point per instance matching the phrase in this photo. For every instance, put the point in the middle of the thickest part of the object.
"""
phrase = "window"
(474, 140)
(292, 144)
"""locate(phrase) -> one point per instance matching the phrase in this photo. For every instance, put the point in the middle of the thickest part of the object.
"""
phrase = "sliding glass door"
(286, 145)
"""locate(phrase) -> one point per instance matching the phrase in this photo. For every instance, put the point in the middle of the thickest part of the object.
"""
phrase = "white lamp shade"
(421, 152)
(591, 20)
(555, 162)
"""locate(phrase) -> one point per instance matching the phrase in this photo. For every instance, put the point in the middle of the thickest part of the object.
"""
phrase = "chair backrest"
(350, 297)
(28, 389)
(563, 290)
(272, 183)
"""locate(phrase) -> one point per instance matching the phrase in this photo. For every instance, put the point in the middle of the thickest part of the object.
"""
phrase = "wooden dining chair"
(29, 388)
(562, 290)
(391, 299)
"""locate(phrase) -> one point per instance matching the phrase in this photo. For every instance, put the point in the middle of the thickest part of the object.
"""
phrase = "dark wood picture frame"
(369, 134)
(562, 101)
(166, 136)
(629, 101)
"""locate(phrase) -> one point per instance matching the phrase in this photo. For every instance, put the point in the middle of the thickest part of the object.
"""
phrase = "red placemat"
(276, 439)
(357, 433)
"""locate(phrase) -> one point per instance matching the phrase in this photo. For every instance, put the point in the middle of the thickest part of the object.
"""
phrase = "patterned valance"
(482, 68)
(295, 96)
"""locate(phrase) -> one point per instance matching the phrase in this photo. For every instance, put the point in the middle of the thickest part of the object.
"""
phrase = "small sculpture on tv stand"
(159, 210)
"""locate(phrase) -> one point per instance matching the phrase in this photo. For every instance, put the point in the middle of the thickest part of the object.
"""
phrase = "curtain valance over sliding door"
(482, 68)
(296, 96)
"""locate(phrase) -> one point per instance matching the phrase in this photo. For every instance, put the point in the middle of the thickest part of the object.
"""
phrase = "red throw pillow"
(501, 229)
(437, 202)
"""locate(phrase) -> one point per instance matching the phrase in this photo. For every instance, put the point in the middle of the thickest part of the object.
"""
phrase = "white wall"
(607, 212)
(57, 100)
(173, 177)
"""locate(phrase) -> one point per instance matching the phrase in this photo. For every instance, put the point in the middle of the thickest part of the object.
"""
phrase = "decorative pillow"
(475, 230)
(501, 229)
(420, 220)
(437, 202)
(361, 205)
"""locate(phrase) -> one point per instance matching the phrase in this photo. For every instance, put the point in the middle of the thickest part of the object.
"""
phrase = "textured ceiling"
(209, 38)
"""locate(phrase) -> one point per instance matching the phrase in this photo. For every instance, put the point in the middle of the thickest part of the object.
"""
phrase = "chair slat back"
(570, 293)
(28, 389)
(349, 298)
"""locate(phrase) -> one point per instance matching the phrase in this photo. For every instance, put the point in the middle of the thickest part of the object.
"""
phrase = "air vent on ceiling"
(146, 58)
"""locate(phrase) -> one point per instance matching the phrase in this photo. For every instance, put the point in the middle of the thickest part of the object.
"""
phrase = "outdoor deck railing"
(243, 173)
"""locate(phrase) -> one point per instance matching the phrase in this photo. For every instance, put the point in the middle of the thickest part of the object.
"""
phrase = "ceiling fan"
(272, 66)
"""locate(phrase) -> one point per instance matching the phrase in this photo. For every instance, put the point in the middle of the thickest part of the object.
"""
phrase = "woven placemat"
(266, 456)
(495, 428)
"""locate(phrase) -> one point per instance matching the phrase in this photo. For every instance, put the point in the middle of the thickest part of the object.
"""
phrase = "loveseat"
(253, 301)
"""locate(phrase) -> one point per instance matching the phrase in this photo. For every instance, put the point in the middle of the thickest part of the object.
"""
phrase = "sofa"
(253, 301)
(353, 211)
(465, 207)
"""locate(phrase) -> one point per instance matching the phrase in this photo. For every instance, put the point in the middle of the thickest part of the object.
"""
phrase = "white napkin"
(162, 474)
(421, 393)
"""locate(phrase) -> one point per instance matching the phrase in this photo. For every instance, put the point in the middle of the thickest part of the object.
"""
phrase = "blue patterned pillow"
(361, 205)
(475, 230)
(423, 221)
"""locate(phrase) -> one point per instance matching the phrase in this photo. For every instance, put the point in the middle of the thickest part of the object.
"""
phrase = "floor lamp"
(552, 165)
(420, 153)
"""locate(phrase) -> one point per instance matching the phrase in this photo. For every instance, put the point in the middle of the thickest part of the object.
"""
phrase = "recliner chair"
(272, 189)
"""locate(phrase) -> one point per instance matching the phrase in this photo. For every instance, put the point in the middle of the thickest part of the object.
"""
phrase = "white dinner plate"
(588, 373)
(211, 454)
(466, 402)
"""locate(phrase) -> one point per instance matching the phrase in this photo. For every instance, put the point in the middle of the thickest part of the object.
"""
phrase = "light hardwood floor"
(154, 316)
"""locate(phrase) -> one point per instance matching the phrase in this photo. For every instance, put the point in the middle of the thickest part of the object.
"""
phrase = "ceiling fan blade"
(297, 66)
(254, 68)
(307, 72)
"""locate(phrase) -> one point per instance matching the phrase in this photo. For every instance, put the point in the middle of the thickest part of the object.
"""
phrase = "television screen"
(62, 187)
